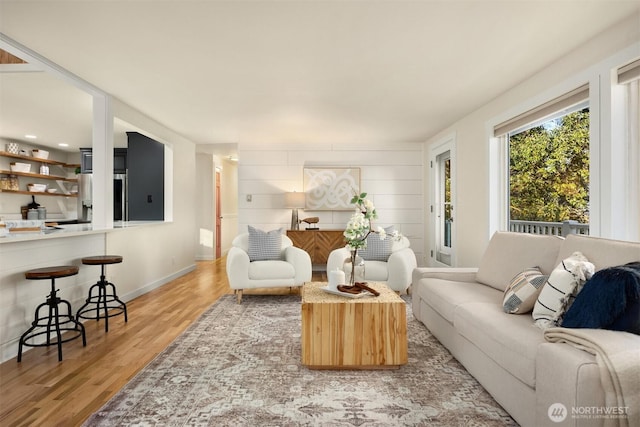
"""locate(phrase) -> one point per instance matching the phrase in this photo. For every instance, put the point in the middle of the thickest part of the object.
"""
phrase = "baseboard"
(157, 283)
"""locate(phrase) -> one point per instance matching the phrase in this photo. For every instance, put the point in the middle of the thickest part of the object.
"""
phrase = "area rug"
(239, 365)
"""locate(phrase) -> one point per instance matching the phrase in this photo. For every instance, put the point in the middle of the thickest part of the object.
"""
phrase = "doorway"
(442, 166)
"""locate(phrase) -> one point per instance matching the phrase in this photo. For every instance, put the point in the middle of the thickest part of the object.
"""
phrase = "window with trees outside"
(549, 172)
(548, 167)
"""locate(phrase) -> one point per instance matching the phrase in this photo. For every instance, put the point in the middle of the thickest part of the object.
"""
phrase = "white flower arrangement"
(360, 224)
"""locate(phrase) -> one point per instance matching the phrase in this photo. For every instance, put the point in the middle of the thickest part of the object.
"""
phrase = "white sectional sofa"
(507, 353)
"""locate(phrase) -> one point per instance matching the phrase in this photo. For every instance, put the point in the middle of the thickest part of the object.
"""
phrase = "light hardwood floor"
(40, 391)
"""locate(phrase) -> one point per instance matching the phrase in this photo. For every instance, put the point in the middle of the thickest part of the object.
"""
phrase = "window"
(549, 171)
(613, 96)
(548, 166)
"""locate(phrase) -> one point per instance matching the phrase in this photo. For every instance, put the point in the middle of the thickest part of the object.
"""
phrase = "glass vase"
(353, 268)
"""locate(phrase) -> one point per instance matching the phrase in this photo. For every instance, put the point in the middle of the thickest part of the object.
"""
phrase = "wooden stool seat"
(102, 259)
(53, 317)
(51, 272)
(102, 302)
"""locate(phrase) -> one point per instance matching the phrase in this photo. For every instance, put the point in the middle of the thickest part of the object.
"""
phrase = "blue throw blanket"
(609, 300)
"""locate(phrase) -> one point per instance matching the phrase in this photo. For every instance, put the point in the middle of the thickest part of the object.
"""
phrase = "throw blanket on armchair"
(618, 356)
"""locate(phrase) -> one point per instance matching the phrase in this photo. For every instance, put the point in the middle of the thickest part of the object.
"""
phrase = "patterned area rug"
(239, 365)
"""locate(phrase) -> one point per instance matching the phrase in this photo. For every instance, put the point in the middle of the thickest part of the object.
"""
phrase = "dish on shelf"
(20, 167)
(37, 188)
(52, 190)
(40, 154)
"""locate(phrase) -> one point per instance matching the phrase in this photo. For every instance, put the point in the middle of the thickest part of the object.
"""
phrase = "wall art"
(330, 188)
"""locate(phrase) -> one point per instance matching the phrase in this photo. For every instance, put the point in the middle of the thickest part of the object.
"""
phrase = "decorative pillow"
(264, 246)
(523, 290)
(378, 250)
(609, 300)
(564, 283)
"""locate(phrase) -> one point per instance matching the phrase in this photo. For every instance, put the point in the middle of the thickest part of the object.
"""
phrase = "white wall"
(473, 210)
(391, 175)
(229, 200)
(205, 207)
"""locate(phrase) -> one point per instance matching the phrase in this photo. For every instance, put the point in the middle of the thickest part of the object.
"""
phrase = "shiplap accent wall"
(390, 174)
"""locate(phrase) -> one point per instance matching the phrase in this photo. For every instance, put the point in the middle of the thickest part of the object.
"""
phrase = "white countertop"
(70, 230)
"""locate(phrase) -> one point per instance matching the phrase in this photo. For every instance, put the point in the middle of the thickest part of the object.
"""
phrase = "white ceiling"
(226, 72)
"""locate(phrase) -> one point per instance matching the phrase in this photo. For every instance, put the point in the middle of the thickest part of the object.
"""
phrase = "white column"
(102, 210)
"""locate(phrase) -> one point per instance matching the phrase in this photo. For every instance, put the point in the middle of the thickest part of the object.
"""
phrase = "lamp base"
(295, 224)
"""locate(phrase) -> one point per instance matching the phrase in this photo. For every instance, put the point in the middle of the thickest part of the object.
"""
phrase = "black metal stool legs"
(52, 322)
(97, 306)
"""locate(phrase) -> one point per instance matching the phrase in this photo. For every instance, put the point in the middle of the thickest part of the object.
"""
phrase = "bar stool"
(102, 295)
(53, 321)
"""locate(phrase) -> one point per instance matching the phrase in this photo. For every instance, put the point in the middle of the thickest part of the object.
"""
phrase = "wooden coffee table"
(345, 333)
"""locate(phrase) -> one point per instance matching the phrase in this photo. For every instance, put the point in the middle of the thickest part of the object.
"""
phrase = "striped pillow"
(557, 295)
(523, 290)
(265, 246)
(378, 250)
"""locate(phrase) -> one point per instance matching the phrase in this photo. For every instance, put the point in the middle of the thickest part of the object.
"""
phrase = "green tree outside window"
(549, 170)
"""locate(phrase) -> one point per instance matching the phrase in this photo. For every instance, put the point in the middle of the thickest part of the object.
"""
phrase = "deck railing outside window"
(550, 228)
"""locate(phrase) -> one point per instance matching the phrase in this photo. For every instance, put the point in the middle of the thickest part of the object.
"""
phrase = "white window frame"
(609, 188)
(499, 157)
(625, 102)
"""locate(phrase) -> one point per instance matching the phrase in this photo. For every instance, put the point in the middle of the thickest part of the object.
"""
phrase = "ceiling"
(228, 72)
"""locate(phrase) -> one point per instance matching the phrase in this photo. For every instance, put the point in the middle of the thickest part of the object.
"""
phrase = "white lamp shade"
(294, 200)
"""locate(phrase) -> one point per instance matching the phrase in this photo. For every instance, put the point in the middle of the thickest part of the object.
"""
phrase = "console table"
(317, 243)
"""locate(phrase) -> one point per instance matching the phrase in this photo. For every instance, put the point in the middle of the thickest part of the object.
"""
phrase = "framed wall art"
(330, 188)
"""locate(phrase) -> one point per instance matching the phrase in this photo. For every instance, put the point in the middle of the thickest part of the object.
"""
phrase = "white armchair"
(293, 269)
(396, 271)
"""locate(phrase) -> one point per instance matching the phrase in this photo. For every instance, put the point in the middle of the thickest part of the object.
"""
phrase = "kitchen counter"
(70, 230)
(149, 262)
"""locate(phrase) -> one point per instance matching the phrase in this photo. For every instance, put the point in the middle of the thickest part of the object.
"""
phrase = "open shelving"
(36, 159)
(57, 178)
(39, 193)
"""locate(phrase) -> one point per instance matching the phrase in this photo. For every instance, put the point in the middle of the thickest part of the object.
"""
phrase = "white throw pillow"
(523, 290)
(265, 246)
(564, 283)
(378, 250)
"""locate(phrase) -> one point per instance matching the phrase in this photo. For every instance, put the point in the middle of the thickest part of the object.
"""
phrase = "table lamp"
(295, 201)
